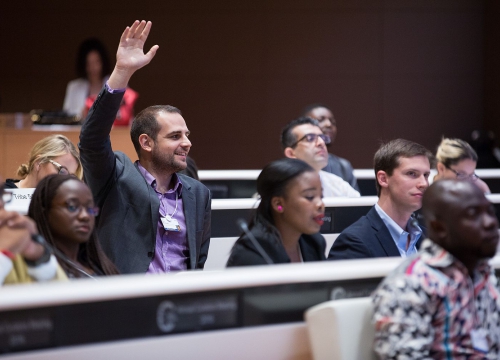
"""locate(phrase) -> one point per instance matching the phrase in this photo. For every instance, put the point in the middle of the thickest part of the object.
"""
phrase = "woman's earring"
(280, 208)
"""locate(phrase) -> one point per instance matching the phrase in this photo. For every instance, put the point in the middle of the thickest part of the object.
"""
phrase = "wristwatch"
(46, 252)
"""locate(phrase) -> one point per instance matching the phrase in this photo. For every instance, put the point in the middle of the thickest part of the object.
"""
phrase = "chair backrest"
(341, 329)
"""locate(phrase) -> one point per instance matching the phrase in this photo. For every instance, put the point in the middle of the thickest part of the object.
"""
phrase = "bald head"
(461, 220)
(443, 195)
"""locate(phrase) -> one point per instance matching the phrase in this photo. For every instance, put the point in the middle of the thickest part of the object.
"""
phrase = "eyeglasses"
(312, 138)
(6, 195)
(61, 170)
(463, 176)
(76, 208)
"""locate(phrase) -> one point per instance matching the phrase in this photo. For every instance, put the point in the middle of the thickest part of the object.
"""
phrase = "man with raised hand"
(152, 219)
(444, 302)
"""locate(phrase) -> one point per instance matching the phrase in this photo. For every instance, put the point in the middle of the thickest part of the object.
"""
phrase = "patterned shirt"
(430, 308)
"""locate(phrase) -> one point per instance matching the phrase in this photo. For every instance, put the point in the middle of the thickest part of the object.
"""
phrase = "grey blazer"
(129, 214)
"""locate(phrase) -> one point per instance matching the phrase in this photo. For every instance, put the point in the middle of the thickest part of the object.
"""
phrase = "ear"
(290, 153)
(36, 164)
(383, 179)
(276, 202)
(146, 142)
(438, 228)
(440, 167)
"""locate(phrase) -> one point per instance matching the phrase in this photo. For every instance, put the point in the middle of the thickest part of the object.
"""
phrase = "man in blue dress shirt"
(402, 171)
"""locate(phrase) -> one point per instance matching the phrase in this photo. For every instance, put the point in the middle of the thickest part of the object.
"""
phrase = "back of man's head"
(387, 156)
(145, 123)
(287, 136)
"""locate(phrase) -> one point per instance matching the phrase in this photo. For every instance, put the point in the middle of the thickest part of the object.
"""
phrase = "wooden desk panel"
(15, 145)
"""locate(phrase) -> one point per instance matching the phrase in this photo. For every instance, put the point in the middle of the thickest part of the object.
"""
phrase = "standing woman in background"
(64, 211)
(92, 69)
(54, 154)
(456, 159)
(287, 222)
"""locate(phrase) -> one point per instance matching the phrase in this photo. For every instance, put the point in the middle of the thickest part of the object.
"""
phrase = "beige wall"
(239, 70)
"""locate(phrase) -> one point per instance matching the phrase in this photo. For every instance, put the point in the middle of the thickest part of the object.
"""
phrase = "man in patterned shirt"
(443, 303)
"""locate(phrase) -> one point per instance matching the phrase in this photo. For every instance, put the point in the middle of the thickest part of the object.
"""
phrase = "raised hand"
(130, 56)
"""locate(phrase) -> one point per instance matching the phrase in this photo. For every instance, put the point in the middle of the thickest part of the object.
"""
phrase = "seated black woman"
(64, 211)
(287, 222)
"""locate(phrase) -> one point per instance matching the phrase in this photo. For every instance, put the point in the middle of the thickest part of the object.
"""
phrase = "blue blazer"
(366, 238)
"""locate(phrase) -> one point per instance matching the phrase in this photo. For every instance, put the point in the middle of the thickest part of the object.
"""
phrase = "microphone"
(242, 224)
(414, 221)
(41, 240)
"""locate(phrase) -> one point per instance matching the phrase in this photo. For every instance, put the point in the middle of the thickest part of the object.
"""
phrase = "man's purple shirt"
(171, 249)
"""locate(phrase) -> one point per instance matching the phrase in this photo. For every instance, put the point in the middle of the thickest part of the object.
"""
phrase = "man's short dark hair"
(145, 123)
(287, 137)
(311, 107)
(387, 156)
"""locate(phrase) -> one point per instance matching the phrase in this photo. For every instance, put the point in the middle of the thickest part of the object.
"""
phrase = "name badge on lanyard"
(170, 224)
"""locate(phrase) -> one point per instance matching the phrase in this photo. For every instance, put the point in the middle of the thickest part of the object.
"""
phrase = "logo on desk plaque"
(199, 312)
(166, 316)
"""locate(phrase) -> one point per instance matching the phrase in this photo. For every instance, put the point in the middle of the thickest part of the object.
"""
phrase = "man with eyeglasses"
(328, 124)
(303, 139)
(22, 256)
(402, 169)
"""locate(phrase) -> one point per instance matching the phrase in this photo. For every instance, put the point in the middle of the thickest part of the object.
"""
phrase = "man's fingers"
(133, 28)
(124, 34)
(145, 31)
(136, 30)
(152, 52)
(140, 29)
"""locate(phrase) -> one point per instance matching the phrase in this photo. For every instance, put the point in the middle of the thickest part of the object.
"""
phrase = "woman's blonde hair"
(47, 149)
(452, 151)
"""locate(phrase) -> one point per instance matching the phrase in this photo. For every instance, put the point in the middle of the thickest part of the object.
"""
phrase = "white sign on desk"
(21, 199)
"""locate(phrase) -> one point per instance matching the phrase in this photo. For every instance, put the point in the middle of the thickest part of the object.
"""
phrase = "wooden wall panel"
(240, 70)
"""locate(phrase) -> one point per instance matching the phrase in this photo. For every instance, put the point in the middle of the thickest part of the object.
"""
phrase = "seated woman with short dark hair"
(64, 211)
(287, 222)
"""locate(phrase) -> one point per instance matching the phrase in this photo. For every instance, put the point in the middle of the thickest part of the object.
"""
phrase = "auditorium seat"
(341, 329)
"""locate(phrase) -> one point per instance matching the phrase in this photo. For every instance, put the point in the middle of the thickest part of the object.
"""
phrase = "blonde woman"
(54, 154)
(456, 159)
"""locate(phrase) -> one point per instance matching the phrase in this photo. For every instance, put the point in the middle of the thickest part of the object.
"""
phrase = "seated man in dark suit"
(152, 219)
(328, 124)
(402, 171)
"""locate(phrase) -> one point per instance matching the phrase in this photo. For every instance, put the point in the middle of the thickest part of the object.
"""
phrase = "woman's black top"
(244, 253)
(11, 184)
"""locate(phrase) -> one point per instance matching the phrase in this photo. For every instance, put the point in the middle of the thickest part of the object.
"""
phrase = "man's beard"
(166, 162)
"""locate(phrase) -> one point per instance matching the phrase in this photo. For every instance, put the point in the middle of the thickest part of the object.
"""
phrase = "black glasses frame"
(61, 170)
(312, 138)
(460, 176)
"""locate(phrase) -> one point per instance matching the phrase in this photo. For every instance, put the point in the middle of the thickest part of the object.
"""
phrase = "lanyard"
(175, 210)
